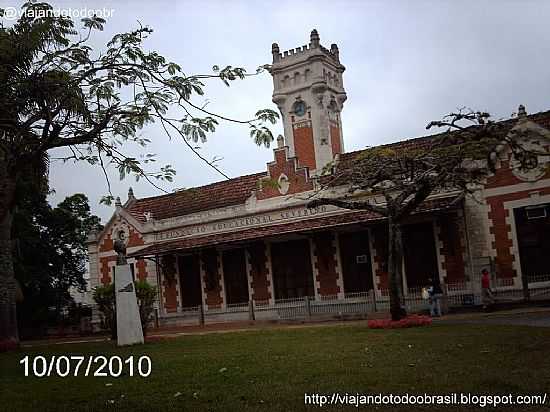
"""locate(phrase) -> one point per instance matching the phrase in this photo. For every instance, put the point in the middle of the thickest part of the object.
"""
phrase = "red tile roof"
(216, 195)
(540, 118)
(236, 191)
(307, 225)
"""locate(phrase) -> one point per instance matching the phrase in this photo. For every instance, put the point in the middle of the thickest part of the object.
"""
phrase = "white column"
(269, 268)
(373, 263)
(248, 274)
(338, 268)
(177, 282)
(219, 261)
(203, 283)
(314, 270)
(438, 246)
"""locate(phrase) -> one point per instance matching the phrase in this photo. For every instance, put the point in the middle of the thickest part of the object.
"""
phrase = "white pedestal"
(128, 324)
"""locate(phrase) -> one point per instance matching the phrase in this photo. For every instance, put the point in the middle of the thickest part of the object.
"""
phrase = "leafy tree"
(104, 296)
(57, 91)
(460, 159)
(50, 252)
(146, 295)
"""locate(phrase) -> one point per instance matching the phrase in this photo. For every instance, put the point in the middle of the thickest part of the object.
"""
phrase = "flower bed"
(407, 322)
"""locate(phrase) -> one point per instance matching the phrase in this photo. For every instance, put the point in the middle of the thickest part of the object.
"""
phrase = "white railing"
(189, 311)
(503, 282)
(357, 304)
(459, 287)
(294, 308)
(538, 279)
(237, 307)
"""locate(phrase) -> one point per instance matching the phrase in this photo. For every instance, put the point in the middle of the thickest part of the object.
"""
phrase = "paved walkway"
(536, 316)
(523, 317)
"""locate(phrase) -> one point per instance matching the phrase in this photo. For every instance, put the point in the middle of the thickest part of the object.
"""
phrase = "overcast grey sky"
(407, 63)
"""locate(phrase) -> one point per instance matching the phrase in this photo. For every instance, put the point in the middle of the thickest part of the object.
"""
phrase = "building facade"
(245, 247)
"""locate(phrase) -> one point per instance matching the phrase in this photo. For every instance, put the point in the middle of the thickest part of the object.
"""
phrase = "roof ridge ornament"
(280, 141)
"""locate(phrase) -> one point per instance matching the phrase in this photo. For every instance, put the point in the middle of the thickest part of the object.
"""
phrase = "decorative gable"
(117, 224)
(284, 176)
(534, 138)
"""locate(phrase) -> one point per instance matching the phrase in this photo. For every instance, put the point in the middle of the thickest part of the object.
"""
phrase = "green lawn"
(272, 369)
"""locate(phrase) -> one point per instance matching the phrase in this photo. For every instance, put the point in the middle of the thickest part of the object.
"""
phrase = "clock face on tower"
(299, 108)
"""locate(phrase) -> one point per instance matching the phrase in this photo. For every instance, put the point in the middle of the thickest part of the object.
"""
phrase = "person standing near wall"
(435, 294)
(487, 297)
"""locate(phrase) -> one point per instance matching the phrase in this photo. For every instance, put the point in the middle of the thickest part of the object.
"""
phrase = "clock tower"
(309, 92)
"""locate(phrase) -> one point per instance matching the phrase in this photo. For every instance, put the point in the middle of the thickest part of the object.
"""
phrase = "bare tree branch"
(351, 205)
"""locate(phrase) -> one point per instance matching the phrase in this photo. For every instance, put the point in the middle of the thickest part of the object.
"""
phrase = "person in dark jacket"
(486, 292)
(435, 294)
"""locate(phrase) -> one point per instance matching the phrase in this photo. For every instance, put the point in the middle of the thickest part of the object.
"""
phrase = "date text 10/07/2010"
(75, 365)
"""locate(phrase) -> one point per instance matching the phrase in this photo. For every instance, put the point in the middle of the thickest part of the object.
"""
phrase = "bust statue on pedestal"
(129, 330)
(120, 248)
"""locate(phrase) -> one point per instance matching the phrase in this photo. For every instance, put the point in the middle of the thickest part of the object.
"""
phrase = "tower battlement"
(307, 50)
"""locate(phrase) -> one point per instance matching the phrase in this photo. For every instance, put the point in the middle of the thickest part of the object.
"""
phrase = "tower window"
(299, 108)
(286, 81)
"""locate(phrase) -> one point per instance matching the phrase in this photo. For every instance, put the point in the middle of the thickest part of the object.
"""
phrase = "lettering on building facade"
(265, 219)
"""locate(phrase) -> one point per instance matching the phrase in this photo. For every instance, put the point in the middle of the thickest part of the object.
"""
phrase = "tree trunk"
(9, 337)
(525, 286)
(395, 270)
